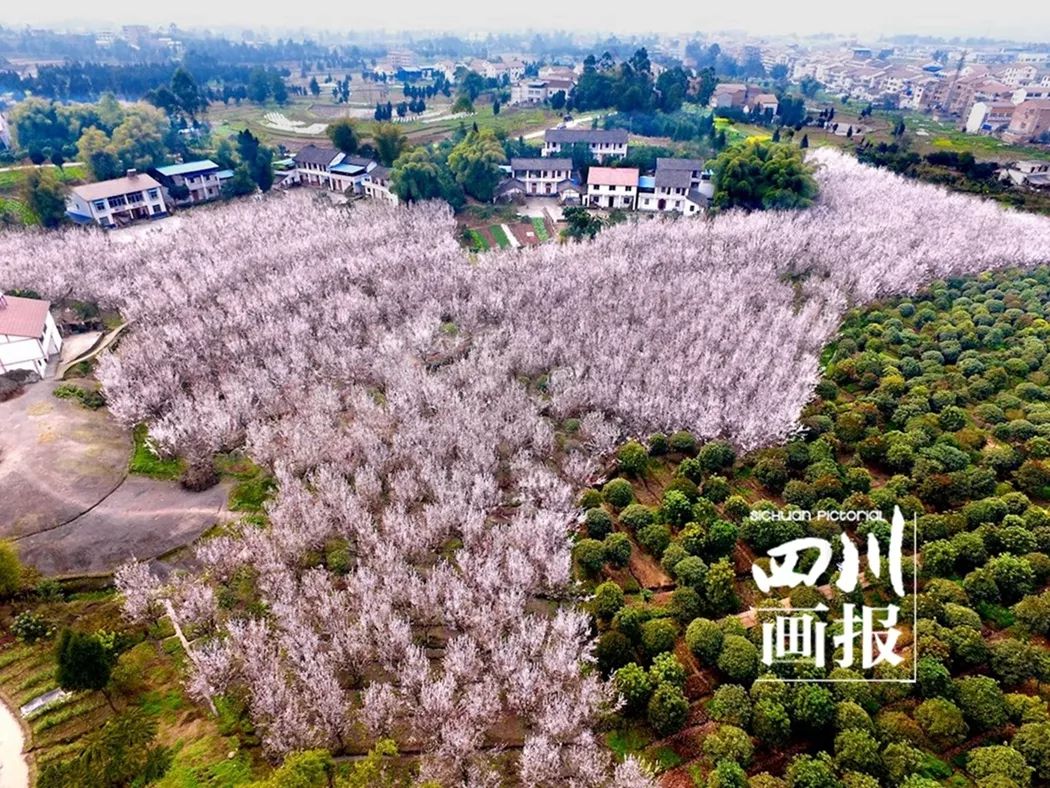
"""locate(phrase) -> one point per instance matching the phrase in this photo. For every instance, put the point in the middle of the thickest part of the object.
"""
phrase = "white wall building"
(529, 91)
(117, 202)
(605, 145)
(541, 175)
(28, 334)
(612, 187)
(329, 168)
(203, 179)
(377, 185)
(671, 191)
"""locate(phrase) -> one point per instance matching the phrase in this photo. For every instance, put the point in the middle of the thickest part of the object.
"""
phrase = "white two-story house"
(202, 179)
(377, 185)
(328, 168)
(604, 144)
(28, 334)
(670, 191)
(541, 175)
(612, 187)
(118, 201)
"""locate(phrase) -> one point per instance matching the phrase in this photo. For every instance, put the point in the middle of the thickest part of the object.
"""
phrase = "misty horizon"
(1028, 22)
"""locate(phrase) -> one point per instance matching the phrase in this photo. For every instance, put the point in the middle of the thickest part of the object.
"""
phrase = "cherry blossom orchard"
(409, 398)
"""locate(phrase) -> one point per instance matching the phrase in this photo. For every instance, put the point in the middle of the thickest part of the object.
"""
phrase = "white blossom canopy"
(406, 397)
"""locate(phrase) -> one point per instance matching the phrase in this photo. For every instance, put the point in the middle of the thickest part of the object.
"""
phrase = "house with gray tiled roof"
(541, 175)
(605, 144)
(377, 185)
(678, 185)
(324, 167)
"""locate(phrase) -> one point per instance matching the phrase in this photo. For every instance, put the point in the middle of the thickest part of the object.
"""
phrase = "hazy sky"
(1020, 19)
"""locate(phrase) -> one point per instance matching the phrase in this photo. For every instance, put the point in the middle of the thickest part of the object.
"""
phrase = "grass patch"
(145, 462)
(499, 236)
(194, 764)
(540, 228)
(1002, 617)
(249, 495)
(162, 703)
(476, 242)
(627, 741)
(92, 399)
(663, 758)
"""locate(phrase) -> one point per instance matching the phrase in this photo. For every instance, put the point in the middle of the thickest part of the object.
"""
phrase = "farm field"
(11, 179)
(308, 111)
(482, 228)
(204, 750)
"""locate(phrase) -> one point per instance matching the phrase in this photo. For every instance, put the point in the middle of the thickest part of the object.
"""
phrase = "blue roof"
(79, 218)
(347, 169)
(223, 174)
(647, 182)
(187, 167)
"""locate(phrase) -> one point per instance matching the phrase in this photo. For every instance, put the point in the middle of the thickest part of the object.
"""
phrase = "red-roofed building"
(612, 187)
(28, 334)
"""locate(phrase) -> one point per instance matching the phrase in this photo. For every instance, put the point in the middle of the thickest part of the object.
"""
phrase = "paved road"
(572, 124)
(39, 166)
(66, 501)
(143, 518)
(57, 460)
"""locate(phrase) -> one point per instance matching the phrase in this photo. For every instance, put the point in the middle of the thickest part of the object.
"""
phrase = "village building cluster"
(681, 186)
(676, 186)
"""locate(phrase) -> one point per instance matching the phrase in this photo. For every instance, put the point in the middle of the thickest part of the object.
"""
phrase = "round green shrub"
(683, 442)
(618, 493)
(599, 523)
(636, 516)
(633, 459)
(616, 549)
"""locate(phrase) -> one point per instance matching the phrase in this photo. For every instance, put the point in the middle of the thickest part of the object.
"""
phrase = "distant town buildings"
(729, 95)
(982, 90)
(117, 202)
(537, 91)
(1030, 121)
(989, 117)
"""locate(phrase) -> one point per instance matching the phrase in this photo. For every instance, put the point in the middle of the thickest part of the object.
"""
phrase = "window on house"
(100, 205)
